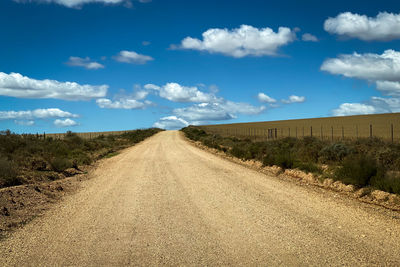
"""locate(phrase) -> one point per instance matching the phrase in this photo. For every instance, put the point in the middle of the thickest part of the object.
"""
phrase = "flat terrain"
(165, 201)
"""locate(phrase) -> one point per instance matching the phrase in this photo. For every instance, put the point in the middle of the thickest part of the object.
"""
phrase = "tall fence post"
(296, 131)
(311, 131)
(370, 131)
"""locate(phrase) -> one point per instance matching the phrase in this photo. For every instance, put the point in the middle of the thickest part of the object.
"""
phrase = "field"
(385, 126)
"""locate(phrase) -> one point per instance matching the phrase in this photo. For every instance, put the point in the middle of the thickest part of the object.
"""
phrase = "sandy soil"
(167, 202)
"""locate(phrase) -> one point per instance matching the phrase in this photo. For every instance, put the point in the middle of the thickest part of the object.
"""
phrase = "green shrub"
(386, 182)
(308, 167)
(334, 152)
(60, 164)
(8, 173)
(284, 160)
(357, 170)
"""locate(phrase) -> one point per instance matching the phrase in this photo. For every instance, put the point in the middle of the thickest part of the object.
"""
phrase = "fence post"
(332, 133)
(44, 134)
(289, 131)
(370, 131)
(311, 130)
(296, 131)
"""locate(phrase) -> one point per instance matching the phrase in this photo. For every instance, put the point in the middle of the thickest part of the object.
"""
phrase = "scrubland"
(365, 162)
(26, 159)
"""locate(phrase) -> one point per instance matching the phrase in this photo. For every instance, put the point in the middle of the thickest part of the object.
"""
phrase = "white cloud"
(385, 26)
(123, 103)
(372, 67)
(179, 93)
(382, 69)
(171, 123)
(84, 62)
(216, 111)
(294, 99)
(389, 88)
(65, 123)
(16, 85)
(347, 109)
(132, 57)
(75, 3)
(36, 114)
(307, 37)
(241, 42)
(265, 98)
(24, 122)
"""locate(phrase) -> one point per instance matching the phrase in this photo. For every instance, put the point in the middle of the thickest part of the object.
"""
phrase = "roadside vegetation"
(27, 159)
(368, 162)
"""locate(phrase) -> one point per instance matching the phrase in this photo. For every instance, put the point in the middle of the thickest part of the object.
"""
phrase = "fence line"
(87, 135)
(384, 126)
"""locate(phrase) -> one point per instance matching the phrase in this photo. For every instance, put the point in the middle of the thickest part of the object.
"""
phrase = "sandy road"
(167, 202)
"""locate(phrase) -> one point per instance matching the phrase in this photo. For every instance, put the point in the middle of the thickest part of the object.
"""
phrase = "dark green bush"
(386, 182)
(307, 167)
(8, 173)
(60, 164)
(357, 170)
(334, 152)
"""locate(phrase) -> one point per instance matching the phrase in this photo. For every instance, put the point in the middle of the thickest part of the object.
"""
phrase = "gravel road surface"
(166, 202)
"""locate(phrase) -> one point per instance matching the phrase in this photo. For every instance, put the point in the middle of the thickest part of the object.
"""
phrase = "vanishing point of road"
(166, 202)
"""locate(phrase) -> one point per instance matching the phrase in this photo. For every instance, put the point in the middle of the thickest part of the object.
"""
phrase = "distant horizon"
(94, 66)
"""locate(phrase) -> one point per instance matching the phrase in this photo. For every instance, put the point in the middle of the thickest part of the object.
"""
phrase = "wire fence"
(88, 135)
(384, 126)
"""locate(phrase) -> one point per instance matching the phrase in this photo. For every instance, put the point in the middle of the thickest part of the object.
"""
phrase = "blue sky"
(98, 65)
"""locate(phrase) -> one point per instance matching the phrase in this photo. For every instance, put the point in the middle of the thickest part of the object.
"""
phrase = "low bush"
(8, 173)
(357, 170)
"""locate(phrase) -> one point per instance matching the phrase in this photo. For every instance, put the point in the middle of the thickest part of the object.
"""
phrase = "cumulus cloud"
(179, 93)
(17, 85)
(65, 123)
(294, 99)
(36, 114)
(24, 123)
(84, 62)
(382, 69)
(123, 103)
(77, 3)
(385, 26)
(307, 37)
(170, 123)
(372, 67)
(389, 88)
(347, 109)
(132, 57)
(240, 42)
(265, 98)
(216, 111)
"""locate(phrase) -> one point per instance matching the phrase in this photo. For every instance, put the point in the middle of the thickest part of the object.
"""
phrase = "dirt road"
(165, 201)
